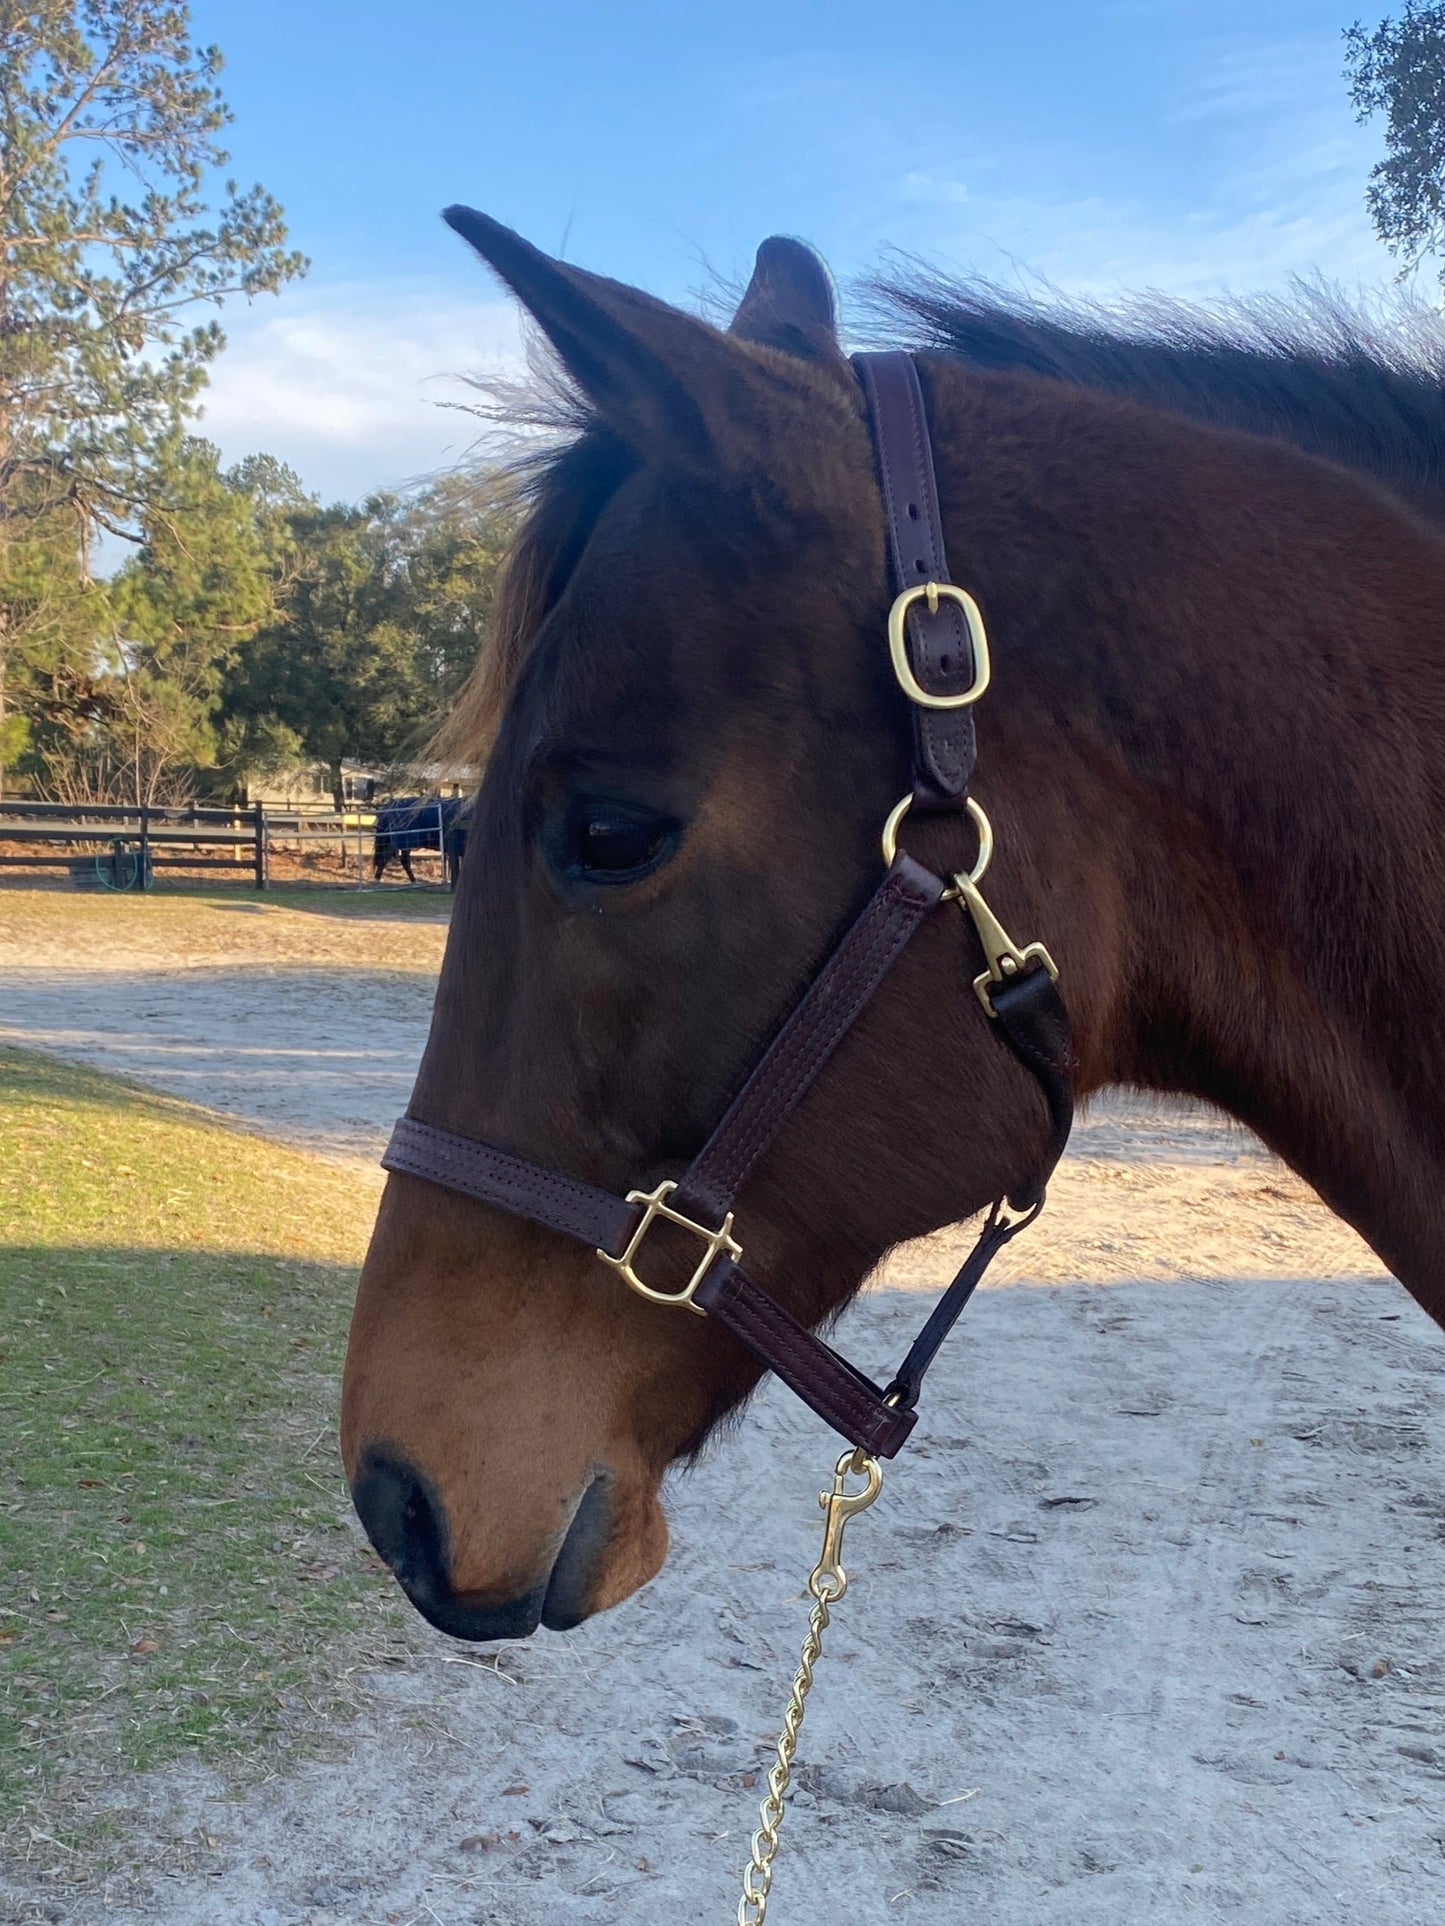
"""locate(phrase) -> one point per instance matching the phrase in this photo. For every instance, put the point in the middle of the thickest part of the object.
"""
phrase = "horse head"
(696, 738)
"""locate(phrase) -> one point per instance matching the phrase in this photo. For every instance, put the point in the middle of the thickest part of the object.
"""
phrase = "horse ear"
(789, 302)
(647, 368)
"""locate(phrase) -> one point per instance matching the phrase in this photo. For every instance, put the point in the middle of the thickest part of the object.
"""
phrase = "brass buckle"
(718, 1241)
(933, 592)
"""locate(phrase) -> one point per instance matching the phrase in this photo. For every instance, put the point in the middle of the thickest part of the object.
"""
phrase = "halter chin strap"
(940, 654)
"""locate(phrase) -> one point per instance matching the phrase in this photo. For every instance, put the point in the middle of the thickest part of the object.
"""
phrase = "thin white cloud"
(345, 383)
(348, 384)
(1097, 245)
(1279, 191)
(928, 187)
(1282, 180)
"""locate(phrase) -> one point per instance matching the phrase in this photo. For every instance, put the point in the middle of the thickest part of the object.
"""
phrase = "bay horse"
(1214, 752)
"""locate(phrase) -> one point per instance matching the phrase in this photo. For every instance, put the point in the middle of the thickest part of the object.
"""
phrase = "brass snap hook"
(828, 1580)
(1004, 957)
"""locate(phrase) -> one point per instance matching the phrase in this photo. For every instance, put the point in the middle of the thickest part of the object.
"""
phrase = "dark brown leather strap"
(787, 1068)
(841, 1395)
(513, 1183)
(938, 644)
(866, 1414)
(1030, 1016)
(1033, 1022)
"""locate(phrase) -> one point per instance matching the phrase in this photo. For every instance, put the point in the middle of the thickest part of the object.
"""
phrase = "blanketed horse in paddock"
(1212, 568)
(419, 822)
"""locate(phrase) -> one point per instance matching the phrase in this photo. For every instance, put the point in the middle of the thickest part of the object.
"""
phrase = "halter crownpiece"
(940, 655)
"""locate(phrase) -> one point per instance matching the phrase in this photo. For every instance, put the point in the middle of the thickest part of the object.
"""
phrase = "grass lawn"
(177, 1573)
(60, 903)
(390, 929)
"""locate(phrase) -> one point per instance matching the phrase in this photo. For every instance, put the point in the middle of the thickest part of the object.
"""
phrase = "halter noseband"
(940, 655)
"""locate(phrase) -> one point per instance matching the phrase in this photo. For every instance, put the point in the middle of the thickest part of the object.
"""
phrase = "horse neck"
(1294, 1025)
(1235, 822)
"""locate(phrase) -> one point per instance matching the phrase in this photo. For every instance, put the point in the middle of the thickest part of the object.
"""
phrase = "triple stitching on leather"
(794, 1354)
(548, 1197)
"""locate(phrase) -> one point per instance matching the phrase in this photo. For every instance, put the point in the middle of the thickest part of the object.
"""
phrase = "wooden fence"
(133, 843)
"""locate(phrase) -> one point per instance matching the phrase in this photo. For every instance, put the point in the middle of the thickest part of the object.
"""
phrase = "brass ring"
(890, 828)
(980, 822)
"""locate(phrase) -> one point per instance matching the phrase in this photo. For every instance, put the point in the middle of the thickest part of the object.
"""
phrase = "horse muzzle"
(407, 1523)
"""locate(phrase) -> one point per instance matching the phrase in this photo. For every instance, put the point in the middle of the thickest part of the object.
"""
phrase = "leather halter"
(941, 657)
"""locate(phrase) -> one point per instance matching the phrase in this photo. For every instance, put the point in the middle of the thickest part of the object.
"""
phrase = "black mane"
(1366, 389)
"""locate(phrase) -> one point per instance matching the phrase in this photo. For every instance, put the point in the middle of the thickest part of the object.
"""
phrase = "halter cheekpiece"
(939, 650)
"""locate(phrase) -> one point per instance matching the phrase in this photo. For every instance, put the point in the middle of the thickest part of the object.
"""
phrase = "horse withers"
(1213, 752)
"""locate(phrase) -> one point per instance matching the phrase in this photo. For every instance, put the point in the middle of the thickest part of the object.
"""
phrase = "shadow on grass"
(421, 902)
(179, 1569)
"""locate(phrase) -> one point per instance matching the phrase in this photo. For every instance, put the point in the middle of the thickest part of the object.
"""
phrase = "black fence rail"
(123, 847)
(135, 842)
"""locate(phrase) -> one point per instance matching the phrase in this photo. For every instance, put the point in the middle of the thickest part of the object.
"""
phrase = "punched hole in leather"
(939, 648)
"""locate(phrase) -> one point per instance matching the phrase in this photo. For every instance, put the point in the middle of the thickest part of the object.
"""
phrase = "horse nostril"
(404, 1522)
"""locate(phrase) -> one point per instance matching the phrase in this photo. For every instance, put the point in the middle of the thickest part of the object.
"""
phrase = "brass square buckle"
(718, 1242)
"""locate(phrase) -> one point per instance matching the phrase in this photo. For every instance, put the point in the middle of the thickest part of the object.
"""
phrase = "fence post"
(260, 845)
(145, 847)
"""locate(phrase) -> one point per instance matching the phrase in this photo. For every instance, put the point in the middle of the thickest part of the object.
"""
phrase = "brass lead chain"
(827, 1582)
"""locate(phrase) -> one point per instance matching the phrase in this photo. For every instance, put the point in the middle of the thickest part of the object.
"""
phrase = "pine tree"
(110, 252)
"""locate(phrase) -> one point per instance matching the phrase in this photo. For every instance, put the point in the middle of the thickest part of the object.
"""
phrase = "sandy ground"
(305, 1023)
(1146, 1627)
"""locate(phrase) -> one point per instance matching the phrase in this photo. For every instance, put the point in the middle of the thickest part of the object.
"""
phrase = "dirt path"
(1146, 1628)
(305, 1022)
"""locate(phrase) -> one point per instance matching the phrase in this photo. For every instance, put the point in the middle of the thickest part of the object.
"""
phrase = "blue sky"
(1147, 143)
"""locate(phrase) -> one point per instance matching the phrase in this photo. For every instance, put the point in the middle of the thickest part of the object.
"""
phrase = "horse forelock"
(566, 490)
(569, 487)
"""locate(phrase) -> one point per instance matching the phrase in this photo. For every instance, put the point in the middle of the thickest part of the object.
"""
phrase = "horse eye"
(613, 845)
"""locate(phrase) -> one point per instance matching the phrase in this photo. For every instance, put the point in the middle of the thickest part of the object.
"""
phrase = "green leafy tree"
(111, 249)
(52, 609)
(1398, 71)
(378, 624)
(333, 668)
(458, 532)
(204, 579)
